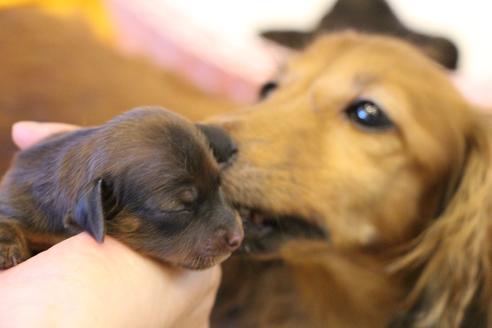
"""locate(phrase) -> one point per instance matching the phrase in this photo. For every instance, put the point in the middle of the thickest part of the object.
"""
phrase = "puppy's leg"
(13, 244)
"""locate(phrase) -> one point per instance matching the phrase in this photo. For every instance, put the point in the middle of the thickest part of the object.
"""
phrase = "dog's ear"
(91, 209)
(452, 256)
(296, 40)
(354, 279)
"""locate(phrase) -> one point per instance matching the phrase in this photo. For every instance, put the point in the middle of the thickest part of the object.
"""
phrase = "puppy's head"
(156, 186)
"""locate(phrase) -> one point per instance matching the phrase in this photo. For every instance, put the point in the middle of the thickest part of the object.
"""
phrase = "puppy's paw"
(12, 253)
(13, 246)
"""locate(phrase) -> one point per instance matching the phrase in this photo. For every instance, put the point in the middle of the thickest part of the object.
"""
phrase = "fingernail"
(25, 125)
(22, 131)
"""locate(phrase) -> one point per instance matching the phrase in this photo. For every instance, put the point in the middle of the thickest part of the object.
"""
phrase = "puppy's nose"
(230, 240)
(222, 145)
(234, 240)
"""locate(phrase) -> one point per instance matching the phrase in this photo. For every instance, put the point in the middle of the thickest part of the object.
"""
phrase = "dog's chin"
(265, 233)
(203, 261)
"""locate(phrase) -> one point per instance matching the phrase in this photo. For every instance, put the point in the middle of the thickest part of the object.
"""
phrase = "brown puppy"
(146, 178)
(367, 182)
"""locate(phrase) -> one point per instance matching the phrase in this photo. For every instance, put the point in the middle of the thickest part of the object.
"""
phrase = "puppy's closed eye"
(182, 202)
(367, 115)
(173, 206)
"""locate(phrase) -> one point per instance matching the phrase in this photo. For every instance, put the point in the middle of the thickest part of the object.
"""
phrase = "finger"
(82, 276)
(27, 133)
(193, 295)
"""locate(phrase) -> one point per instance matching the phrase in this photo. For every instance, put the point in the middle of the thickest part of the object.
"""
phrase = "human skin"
(80, 283)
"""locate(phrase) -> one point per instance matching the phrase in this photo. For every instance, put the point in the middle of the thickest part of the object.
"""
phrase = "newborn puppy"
(147, 178)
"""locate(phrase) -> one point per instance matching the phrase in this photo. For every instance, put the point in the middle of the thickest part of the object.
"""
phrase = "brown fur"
(406, 211)
(54, 69)
(147, 178)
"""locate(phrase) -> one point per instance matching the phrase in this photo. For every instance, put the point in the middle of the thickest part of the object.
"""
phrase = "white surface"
(215, 43)
(468, 23)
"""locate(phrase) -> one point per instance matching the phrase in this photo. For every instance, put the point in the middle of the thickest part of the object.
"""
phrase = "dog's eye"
(368, 115)
(267, 89)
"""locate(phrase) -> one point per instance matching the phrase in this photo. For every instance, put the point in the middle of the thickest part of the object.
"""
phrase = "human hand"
(80, 283)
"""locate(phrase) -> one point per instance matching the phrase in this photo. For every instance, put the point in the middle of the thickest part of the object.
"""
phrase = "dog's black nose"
(222, 145)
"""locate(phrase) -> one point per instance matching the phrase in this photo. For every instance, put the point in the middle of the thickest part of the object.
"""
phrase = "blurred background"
(224, 35)
(84, 61)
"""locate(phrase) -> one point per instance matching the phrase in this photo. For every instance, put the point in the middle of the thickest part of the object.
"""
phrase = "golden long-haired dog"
(365, 179)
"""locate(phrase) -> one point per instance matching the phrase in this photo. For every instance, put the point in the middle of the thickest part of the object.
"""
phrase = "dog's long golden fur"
(407, 210)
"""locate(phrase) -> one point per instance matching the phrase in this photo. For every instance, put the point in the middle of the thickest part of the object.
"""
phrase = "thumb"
(28, 133)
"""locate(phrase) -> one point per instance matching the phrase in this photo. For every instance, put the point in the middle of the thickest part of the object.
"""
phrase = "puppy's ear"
(222, 145)
(89, 211)
(452, 257)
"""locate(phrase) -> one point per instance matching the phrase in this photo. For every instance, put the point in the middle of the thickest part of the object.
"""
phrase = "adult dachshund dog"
(365, 181)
